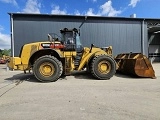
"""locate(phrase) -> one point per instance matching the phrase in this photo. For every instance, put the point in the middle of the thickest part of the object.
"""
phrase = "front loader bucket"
(135, 64)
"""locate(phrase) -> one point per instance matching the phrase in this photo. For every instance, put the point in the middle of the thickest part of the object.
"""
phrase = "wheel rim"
(104, 67)
(46, 69)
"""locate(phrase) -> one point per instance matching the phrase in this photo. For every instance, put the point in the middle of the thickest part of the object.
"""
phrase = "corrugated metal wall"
(123, 34)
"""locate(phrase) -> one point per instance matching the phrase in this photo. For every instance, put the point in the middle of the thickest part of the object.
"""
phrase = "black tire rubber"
(52, 60)
(94, 67)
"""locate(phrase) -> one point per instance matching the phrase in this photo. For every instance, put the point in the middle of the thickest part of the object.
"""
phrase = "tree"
(0, 53)
(5, 52)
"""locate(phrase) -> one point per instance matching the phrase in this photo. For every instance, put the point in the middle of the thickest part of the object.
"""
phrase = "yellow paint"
(22, 67)
(104, 67)
(69, 53)
(27, 51)
(69, 58)
(86, 56)
(15, 63)
(47, 69)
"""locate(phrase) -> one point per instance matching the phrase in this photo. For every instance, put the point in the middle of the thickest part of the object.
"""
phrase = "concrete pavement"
(79, 97)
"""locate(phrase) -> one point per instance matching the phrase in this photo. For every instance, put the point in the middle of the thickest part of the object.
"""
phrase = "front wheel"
(47, 69)
(103, 67)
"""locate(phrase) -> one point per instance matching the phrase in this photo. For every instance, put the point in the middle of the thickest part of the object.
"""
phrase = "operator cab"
(71, 40)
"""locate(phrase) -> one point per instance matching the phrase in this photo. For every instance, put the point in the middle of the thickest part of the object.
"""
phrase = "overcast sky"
(119, 8)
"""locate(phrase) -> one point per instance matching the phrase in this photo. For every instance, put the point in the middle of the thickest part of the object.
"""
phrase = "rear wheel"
(103, 67)
(47, 69)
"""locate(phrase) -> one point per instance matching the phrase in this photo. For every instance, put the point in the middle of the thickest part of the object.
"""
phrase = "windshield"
(72, 38)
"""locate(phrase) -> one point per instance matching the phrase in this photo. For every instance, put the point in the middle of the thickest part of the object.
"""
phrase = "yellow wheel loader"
(63, 55)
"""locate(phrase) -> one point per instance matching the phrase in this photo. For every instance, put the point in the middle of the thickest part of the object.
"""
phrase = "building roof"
(80, 16)
(153, 23)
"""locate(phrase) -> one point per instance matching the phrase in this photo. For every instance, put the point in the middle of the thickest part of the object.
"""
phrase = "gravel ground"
(79, 97)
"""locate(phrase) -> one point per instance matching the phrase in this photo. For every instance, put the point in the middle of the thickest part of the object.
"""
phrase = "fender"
(89, 55)
(57, 53)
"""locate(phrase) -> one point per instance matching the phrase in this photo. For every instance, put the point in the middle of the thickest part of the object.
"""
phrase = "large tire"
(47, 69)
(103, 67)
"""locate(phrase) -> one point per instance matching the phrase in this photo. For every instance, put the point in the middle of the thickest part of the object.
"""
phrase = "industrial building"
(125, 35)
